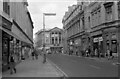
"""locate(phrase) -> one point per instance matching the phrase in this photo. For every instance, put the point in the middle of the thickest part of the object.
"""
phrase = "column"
(58, 38)
(61, 39)
(50, 38)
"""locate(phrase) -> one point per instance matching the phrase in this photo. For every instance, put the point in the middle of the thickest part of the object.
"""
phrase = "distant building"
(16, 29)
(53, 39)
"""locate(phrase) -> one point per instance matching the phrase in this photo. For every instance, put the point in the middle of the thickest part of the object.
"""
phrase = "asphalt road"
(83, 67)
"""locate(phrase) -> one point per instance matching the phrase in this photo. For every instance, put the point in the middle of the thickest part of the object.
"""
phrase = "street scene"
(59, 39)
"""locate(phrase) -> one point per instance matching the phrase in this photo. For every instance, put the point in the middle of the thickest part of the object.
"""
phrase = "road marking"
(94, 66)
(65, 75)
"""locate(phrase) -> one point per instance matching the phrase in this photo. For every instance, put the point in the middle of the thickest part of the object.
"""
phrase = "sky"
(38, 7)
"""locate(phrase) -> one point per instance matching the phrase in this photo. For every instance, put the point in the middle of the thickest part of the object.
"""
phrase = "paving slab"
(34, 68)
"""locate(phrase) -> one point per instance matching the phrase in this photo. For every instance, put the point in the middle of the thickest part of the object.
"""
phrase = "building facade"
(94, 27)
(16, 28)
(53, 39)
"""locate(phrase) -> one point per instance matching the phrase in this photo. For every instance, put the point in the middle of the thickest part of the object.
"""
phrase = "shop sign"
(96, 40)
(100, 39)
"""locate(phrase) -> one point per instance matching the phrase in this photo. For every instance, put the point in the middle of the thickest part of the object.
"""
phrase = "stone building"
(53, 39)
(94, 27)
(16, 28)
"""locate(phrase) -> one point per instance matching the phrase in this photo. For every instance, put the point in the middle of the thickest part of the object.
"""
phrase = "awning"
(13, 34)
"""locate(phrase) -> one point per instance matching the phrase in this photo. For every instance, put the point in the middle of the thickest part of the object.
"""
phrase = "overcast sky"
(38, 7)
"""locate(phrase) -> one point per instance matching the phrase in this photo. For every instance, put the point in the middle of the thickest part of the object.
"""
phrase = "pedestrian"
(33, 54)
(108, 54)
(95, 52)
(111, 56)
(36, 54)
(87, 52)
(12, 64)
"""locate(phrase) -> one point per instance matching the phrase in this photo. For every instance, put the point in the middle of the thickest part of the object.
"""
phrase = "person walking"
(108, 54)
(33, 54)
(111, 56)
(96, 52)
(36, 54)
(12, 64)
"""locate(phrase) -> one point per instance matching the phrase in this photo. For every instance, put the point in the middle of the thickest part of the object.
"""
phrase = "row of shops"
(12, 44)
(102, 40)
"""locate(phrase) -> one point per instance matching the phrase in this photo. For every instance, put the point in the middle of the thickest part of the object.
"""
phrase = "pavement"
(34, 68)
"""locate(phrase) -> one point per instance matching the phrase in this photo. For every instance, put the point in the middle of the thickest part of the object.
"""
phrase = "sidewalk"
(34, 68)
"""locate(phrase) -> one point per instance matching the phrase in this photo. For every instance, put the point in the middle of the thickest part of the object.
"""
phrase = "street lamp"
(45, 14)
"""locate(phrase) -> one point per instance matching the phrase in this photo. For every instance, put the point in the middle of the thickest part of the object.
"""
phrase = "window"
(52, 40)
(119, 10)
(6, 7)
(108, 13)
(56, 40)
(83, 23)
(99, 17)
(89, 21)
(93, 17)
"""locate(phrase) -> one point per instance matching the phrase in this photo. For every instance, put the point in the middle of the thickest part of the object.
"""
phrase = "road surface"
(74, 66)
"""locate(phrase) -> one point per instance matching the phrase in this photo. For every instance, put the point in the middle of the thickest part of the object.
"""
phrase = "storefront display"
(98, 44)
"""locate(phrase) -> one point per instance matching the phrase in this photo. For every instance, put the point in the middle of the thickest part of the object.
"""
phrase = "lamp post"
(45, 14)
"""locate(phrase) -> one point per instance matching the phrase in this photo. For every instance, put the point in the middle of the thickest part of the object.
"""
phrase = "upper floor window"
(89, 21)
(119, 10)
(52, 40)
(83, 23)
(108, 11)
(6, 7)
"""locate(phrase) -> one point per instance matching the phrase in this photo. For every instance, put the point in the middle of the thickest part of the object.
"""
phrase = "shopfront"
(98, 45)
(6, 24)
(10, 45)
(114, 45)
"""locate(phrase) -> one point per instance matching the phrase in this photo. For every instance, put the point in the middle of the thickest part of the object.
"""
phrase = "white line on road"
(58, 68)
(94, 66)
